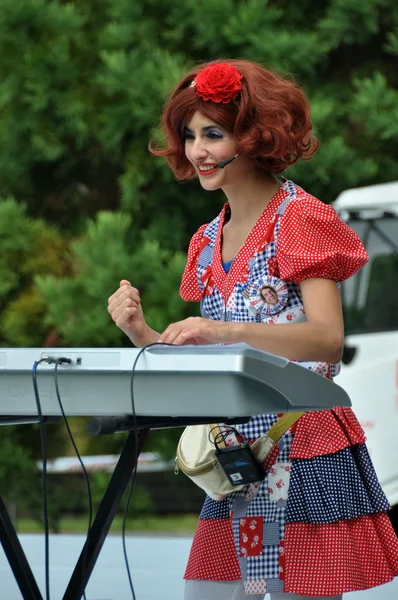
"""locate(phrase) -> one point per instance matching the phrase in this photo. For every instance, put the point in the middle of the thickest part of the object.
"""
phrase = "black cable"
(221, 436)
(59, 361)
(134, 473)
(126, 560)
(43, 477)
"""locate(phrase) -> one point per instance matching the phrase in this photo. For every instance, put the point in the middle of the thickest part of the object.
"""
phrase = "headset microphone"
(224, 163)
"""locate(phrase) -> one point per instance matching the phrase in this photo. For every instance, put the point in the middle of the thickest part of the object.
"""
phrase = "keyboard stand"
(106, 513)
(16, 557)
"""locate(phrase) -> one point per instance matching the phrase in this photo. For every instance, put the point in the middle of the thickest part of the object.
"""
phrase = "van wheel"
(393, 514)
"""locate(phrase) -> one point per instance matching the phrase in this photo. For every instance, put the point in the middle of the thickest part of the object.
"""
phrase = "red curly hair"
(270, 120)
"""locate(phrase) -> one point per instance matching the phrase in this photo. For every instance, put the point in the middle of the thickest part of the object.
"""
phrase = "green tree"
(17, 469)
(111, 249)
(82, 90)
(28, 247)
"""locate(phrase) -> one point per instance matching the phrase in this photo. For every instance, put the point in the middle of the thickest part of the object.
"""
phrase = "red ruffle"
(325, 432)
(324, 560)
(189, 289)
(213, 552)
(314, 242)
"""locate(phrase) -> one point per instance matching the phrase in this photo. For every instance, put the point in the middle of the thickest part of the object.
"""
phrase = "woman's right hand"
(125, 308)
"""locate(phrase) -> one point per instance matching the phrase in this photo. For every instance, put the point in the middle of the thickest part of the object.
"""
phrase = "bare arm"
(125, 308)
(149, 336)
(320, 338)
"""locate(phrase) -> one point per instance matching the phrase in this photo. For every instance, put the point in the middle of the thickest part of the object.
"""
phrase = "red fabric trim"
(264, 228)
(213, 552)
(324, 560)
(189, 289)
(268, 236)
(325, 432)
(205, 240)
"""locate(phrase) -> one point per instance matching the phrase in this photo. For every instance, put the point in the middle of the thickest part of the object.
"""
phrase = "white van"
(370, 363)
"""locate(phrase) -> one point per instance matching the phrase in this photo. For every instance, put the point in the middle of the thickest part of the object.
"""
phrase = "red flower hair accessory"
(219, 82)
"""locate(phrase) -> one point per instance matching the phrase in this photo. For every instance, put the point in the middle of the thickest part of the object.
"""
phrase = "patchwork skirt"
(316, 525)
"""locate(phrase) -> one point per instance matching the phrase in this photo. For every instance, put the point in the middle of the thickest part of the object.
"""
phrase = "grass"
(176, 524)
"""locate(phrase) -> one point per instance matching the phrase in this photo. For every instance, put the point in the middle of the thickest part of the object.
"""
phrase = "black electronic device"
(239, 464)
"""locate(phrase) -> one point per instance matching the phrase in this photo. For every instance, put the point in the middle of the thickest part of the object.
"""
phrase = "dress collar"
(226, 282)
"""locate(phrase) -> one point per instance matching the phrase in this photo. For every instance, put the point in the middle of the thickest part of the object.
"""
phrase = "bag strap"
(284, 423)
(275, 432)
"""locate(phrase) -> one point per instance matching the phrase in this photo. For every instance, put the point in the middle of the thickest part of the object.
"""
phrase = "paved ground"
(157, 566)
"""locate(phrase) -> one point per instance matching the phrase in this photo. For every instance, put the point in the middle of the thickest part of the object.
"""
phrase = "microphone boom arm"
(224, 163)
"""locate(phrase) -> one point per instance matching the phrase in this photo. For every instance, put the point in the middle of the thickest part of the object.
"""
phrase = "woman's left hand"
(195, 330)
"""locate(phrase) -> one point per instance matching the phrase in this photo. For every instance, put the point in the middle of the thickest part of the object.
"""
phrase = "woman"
(316, 526)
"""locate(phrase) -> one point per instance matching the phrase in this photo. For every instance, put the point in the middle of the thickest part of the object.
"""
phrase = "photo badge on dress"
(266, 296)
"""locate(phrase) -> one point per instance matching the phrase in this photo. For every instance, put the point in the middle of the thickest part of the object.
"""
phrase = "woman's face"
(269, 295)
(206, 144)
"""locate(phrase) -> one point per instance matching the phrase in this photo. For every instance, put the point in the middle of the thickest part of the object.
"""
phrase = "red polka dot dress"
(317, 524)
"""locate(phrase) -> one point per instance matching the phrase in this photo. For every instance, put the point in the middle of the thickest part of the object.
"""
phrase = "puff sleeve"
(189, 289)
(314, 242)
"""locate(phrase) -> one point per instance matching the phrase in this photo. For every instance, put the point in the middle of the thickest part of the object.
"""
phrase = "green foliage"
(140, 502)
(28, 247)
(376, 108)
(67, 495)
(16, 466)
(16, 241)
(351, 22)
(110, 250)
(41, 109)
(20, 448)
(82, 91)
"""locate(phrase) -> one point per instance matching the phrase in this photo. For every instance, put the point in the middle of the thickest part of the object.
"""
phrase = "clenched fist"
(125, 308)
